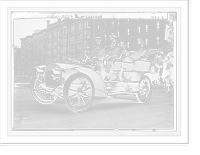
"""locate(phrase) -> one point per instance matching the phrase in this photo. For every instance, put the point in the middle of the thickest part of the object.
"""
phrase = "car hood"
(58, 66)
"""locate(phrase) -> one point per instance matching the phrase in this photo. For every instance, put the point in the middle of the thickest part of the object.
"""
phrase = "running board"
(122, 92)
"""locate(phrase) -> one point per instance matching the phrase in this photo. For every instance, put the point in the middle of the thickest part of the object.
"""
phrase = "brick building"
(58, 41)
(27, 53)
(130, 29)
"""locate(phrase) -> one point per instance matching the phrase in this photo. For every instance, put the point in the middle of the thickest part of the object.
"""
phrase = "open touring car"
(77, 82)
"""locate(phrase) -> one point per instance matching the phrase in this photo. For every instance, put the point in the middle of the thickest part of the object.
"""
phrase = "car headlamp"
(53, 73)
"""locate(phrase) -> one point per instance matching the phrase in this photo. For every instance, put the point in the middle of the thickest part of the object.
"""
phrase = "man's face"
(112, 41)
(141, 45)
(124, 47)
(97, 42)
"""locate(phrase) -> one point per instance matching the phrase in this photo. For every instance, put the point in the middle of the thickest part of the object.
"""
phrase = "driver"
(113, 52)
(100, 52)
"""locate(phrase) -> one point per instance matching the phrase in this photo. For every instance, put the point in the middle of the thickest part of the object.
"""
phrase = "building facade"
(128, 30)
(67, 38)
(17, 60)
(27, 53)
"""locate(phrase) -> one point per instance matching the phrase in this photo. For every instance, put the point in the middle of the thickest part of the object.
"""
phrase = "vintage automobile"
(81, 82)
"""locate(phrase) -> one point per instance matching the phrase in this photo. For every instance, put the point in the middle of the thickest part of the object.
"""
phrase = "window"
(72, 28)
(80, 45)
(49, 51)
(104, 37)
(139, 29)
(127, 44)
(118, 34)
(157, 40)
(87, 24)
(127, 32)
(146, 28)
(87, 34)
(55, 43)
(72, 47)
(87, 44)
(44, 60)
(158, 25)
(49, 44)
(80, 36)
(61, 32)
(72, 38)
(112, 23)
(146, 41)
(54, 51)
(65, 30)
(60, 49)
(104, 26)
(80, 26)
(118, 23)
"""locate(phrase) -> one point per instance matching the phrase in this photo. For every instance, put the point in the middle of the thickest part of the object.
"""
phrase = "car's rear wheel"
(79, 92)
(144, 90)
(40, 93)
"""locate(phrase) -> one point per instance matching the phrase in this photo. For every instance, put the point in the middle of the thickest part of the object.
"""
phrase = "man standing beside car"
(100, 52)
(113, 52)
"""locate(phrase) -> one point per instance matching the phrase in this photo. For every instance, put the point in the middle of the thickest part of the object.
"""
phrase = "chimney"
(48, 22)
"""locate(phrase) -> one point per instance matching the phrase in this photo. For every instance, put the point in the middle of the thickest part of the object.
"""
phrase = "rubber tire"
(35, 96)
(150, 93)
(66, 88)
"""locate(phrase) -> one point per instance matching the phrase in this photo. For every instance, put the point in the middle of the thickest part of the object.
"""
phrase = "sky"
(24, 27)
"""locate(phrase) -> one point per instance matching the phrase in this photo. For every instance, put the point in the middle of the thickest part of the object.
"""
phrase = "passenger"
(100, 53)
(141, 54)
(113, 53)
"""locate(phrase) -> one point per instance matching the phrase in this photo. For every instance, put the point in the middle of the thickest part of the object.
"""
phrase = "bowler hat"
(97, 38)
(112, 36)
(140, 41)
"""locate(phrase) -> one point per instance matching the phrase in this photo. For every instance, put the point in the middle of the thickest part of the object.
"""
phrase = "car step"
(121, 92)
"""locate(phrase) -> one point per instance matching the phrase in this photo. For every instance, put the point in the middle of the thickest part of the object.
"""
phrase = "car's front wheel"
(41, 93)
(79, 92)
(144, 89)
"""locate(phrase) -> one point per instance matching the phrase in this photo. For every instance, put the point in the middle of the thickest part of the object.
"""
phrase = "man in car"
(141, 53)
(113, 52)
(100, 52)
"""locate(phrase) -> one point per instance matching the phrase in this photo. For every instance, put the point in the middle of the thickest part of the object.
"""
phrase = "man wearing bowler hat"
(100, 52)
(141, 53)
(113, 52)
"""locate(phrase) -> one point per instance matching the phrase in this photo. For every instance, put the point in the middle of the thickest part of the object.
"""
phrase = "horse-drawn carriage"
(77, 82)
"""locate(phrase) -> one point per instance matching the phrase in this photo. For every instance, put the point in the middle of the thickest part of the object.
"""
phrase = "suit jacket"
(142, 53)
(113, 52)
(100, 52)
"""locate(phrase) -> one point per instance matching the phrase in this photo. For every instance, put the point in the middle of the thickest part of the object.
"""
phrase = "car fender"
(99, 85)
(138, 74)
(149, 75)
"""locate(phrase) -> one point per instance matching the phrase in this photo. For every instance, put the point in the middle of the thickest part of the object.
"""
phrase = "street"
(103, 114)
